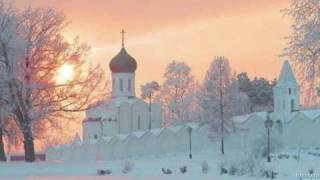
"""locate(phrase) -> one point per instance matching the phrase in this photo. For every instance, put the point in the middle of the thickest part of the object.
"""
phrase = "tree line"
(222, 95)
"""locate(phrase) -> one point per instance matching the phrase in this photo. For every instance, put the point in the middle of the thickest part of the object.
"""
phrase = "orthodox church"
(123, 113)
(122, 126)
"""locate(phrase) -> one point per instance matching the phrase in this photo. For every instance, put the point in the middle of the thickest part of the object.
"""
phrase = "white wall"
(148, 143)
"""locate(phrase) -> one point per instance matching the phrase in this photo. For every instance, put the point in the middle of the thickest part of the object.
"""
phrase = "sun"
(64, 74)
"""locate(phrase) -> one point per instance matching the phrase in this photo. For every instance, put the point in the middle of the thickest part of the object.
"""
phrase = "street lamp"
(190, 132)
(268, 125)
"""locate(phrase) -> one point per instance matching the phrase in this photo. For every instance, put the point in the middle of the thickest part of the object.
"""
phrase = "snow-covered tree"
(303, 47)
(147, 92)
(220, 98)
(32, 56)
(8, 18)
(179, 83)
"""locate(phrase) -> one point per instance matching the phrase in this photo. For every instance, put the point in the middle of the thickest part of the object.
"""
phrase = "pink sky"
(249, 32)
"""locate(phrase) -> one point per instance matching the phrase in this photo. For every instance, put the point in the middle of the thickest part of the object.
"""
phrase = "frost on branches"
(148, 92)
(178, 94)
(31, 53)
(303, 47)
(220, 99)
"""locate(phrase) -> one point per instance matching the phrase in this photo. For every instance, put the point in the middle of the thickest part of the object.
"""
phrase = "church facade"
(123, 113)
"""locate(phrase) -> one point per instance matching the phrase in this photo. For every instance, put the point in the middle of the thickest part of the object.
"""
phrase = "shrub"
(127, 167)
(166, 171)
(103, 172)
(233, 170)
(223, 170)
(269, 174)
(283, 156)
(183, 169)
(311, 171)
(204, 167)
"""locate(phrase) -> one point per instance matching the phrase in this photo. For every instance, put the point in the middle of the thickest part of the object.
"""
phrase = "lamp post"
(268, 125)
(190, 133)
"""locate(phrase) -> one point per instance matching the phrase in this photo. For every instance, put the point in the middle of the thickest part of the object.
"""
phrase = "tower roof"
(286, 76)
(123, 63)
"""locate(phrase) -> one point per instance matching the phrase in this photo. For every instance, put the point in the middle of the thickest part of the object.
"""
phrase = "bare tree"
(33, 65)
(303, 47)
(147, 92)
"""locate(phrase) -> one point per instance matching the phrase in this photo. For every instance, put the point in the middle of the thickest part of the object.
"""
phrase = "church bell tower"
(286, 94)
(123, 67)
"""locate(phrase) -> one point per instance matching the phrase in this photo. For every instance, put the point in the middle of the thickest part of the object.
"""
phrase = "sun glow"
(64, 74)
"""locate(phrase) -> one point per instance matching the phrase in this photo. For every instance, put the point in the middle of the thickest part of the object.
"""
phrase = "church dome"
(123, 63)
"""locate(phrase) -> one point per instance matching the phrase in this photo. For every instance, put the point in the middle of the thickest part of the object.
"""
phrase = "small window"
(289, 91)
(139, 122)
(292, 104)
(113, 84)
(129, 85)
(95, 136)
(121, 85)
(279, 126)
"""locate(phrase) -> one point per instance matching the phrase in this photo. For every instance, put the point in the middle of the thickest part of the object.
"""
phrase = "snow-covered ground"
(150, 168)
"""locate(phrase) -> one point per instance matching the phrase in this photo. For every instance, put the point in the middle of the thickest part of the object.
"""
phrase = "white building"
(123, 124)
(295, 126)
(124, 112)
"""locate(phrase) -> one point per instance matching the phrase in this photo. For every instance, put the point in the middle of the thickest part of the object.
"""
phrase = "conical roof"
(123, 63)
(286, 76)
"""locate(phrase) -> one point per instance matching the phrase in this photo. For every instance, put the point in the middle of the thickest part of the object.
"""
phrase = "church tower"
(123, 68)
(285, 93)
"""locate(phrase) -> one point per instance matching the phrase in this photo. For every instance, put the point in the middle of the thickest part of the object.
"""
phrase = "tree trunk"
(150, 116)
(28, 144)
(222, 121)
(222, 129)
(2, 153)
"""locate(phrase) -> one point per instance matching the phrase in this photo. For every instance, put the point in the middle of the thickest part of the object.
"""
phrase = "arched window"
(121, 85)
(279, 126)
(113, 85)
(129, 85)
(289, 91)
(95, 136)
(292, 104)
(139, 122)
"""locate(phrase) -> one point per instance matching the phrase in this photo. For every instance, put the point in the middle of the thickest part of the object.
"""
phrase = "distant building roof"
(286, 76)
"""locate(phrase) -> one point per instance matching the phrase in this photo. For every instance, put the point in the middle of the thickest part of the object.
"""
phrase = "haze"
(249, 32)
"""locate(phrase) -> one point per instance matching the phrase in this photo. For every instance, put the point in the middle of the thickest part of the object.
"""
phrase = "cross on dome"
(122, 34)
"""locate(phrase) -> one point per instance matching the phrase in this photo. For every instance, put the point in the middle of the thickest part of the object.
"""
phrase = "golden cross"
(122, 33)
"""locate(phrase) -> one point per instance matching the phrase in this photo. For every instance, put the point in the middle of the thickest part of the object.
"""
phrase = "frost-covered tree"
(32, 56)
(220, 98)
(147, 92)
(8, 18)
(178, 84)
(303, 45)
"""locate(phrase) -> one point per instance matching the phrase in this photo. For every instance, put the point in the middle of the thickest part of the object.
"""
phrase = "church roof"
(123, 63)
(286, 76)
